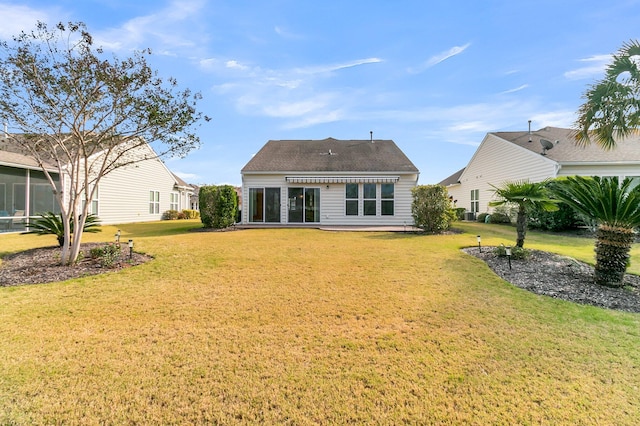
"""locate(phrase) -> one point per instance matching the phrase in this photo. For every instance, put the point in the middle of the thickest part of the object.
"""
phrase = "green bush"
(218, 206)
(481, 217)
(460, 213)
(109, 254)
(517, 253)
(563, 219)
(431, 208)
(499, 218)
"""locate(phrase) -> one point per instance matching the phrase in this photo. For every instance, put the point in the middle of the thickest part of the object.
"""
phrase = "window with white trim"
(173, 201)
(387, 199)
(475, 200)
(369, 199)
(154, 202)
(351, 199)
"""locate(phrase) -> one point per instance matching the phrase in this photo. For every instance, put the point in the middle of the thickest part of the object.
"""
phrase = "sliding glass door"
(304, 205)
(264, 205)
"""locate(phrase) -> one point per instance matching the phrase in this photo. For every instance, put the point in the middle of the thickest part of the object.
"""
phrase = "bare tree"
(87, 114)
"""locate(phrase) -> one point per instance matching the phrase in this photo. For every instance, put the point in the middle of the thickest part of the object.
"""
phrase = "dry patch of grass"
(309, 327)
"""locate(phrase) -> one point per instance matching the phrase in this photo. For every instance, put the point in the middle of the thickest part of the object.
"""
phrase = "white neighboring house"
(328, 182)
(139, 192)
(535, 156)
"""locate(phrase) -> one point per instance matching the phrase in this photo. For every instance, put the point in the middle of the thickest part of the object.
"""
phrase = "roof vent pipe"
(529, 130)
(6, 130)
(371, 134)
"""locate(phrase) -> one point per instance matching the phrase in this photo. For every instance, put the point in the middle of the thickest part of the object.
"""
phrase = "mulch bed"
(561, 277)
(42, 265)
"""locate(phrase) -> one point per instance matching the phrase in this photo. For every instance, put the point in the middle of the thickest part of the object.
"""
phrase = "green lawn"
(302, 326)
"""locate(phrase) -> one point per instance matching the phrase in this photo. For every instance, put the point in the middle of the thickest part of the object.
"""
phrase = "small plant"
(109, 254)
(50, 223)
(517, 253)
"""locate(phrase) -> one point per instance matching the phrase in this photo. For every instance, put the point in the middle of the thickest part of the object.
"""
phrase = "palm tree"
(616, 209)
(612, 106)
(526, 195)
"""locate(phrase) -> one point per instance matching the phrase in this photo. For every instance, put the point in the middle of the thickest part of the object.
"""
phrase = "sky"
(435, 76)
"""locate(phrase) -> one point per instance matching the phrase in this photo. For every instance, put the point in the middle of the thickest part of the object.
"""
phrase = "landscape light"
(130, 249)
(479, 243)
(508, 249)
(118, 237)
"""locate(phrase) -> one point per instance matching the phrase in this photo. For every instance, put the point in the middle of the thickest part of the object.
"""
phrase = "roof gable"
(330, 155)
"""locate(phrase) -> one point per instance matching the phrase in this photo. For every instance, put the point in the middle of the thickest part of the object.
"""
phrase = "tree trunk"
(521, 226)
(612, 254)
(78, 228)
(64, 256)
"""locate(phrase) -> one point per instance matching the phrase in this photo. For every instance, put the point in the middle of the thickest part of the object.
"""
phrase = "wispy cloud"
(515, 89)
(440, 57)
(300, 96)
(17, 18)
(165, 29)
(336, 67)
(285, 33)
(594, 67)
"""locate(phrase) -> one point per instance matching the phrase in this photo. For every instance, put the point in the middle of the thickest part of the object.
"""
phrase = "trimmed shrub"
(460, 213)
(431, 208)
(218, 206)
(170, 215)
(499, 218)
(191, 214)
(481, 217)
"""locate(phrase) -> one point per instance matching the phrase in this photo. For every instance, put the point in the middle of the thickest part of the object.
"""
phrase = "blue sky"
(434, 76)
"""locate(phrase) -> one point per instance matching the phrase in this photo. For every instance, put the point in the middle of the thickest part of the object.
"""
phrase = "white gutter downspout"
(558, 167)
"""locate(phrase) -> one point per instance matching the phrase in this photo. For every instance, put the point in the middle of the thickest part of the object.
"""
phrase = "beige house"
(537, 155)
(328, 182)
(135, 193)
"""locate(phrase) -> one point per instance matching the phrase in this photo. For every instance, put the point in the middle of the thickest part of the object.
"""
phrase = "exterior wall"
(124, 193)
(495, 162)
(332, 200)
(621, 170)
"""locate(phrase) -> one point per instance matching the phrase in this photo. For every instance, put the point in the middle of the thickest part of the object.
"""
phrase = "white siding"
(332, 200)
(495, 162)
(621, 170)
(124, 193)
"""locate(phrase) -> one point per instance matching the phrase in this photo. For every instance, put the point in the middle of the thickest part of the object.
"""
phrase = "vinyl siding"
(620, 170)
(495, 162)
(124, 193)
(332, 200)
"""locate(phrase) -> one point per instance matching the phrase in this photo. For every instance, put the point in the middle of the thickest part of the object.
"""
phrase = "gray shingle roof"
(330, 155)
(453, 179)
(565, 149)
(12, 154)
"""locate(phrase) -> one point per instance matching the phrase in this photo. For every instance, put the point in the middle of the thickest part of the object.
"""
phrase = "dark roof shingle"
(330, 155)
(565, 149)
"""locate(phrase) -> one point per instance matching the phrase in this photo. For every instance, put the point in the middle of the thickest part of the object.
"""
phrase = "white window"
(173, 201)
(93, 207)
(154, 202)
(93, 203)
(475, 200)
